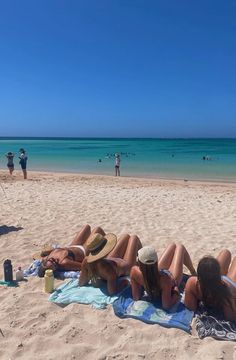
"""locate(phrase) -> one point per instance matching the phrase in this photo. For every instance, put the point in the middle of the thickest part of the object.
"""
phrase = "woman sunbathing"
(162, 278)
(109, 259)
(68, 258)
(215, 285)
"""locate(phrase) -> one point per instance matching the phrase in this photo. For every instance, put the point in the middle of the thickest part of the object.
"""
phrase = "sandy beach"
(51, 208)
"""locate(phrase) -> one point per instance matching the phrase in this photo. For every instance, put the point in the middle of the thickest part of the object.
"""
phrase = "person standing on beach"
(23, 162)
(10, 163)
(117, 165)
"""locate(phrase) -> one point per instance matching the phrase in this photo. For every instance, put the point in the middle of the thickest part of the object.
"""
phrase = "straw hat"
(100, 246)
(147, 255)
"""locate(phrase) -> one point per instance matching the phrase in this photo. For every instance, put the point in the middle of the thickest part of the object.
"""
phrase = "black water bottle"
(8, 274)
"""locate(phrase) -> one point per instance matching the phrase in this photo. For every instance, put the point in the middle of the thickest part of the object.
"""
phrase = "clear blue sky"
(118, 68)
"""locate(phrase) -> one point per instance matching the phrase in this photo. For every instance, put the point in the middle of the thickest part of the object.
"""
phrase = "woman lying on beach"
(160, 279)
(68, 258)
(215, 285)
(109, 259)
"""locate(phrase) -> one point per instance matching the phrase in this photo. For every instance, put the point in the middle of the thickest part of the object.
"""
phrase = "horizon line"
(114, 138)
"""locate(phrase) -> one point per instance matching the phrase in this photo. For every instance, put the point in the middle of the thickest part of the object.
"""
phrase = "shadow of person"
(4, 229)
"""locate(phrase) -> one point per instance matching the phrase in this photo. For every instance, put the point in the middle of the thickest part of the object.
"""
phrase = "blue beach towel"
(178, 316)
(71, 292)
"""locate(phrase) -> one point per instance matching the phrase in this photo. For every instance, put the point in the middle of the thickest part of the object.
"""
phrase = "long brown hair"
(151, 280)
(92, 272)
(214, 292)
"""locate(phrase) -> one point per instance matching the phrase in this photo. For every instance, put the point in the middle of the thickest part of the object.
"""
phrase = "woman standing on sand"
(10, 163)
(160, 278)
(109, 259)
(214, 285)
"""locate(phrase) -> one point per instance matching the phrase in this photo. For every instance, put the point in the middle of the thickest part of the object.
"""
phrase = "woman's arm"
(169, 297)
(191, 298)
(136, 282)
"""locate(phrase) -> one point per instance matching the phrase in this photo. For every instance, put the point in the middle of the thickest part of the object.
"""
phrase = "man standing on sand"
(117, 165)
(23, 161)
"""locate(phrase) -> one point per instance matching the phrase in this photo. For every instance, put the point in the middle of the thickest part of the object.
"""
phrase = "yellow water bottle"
(48, 281)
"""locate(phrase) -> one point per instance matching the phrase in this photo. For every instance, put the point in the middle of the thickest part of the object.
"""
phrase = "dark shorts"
(23, 165)
(117, 167)
(10, 166)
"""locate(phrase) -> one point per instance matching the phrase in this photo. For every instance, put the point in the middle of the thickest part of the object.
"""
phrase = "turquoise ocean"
(164, 158)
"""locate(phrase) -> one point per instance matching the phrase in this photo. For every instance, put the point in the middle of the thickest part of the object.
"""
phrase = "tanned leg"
(224, 259)
(82, 235)
(130, 256)
(232, 270)
(98, 230)
(167, 256)
(120, 248)
(180, 258)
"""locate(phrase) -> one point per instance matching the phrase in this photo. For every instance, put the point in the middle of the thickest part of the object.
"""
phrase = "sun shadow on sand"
(4, 229)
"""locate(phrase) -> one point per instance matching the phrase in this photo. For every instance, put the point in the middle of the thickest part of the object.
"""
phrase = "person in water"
(160, 279)
(23, 161)
(109, 259)
(10, 163)
(68, 258)
(214, 285)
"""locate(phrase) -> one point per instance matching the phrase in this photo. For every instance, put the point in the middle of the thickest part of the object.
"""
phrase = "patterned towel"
(33, 269)
(178, 316)
(207, 325)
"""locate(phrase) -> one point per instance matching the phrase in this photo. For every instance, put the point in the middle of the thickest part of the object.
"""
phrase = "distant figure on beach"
(68, 258)
(214, 285)
(10, 163)
(160, 279)
(23, 161)
(117, 165)
(109, 259)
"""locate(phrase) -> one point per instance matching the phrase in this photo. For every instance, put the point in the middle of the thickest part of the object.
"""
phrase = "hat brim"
(111, 243)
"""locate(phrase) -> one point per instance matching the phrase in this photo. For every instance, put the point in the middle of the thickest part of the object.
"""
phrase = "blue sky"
(118, 68)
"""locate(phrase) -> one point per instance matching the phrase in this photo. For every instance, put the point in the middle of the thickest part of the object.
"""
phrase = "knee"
(136, 240)
(125, 237)
(98, 230)
(174, 245)
(226, 253)
(86, 226)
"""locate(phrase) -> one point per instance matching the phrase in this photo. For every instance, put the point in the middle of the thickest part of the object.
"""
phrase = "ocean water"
(165, 158)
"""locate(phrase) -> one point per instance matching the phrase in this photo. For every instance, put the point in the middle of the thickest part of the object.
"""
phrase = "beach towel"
(33, 269)
(9, 283)
(207, 325)
(178, 316)
(70, 292)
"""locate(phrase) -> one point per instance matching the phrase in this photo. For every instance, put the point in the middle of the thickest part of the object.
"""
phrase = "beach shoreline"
(52, 207)
(32, 174)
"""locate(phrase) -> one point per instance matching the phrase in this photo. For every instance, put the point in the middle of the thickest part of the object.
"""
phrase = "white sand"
(52, 208)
